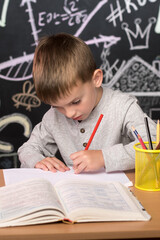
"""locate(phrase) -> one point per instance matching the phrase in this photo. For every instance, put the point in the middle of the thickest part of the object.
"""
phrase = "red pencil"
(141, 142)
(94, 131)
(139, 138)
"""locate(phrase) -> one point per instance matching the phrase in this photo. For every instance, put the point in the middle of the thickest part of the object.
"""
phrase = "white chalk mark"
(4, 13)
(139, 34)
(117, 13)
(14, 118)
(157, 27)
(31, 18)
(90, 16)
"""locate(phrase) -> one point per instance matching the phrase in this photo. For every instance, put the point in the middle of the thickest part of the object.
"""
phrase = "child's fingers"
(59, 165)
(77, 162)
(42, 166)
(47, 166)
(52, 164)
(76, 155)
(80, 168)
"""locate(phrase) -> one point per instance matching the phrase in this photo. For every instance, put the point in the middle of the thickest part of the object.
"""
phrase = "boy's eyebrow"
(75, 99)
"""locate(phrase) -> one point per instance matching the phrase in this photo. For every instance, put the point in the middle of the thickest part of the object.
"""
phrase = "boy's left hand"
(86, 161)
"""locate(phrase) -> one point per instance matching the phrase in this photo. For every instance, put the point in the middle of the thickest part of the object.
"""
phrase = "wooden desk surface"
(103, 230)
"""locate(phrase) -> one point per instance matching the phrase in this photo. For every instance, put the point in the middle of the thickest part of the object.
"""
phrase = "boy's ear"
(97, 77)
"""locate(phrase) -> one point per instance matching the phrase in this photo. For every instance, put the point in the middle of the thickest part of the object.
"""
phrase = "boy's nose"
(69, 113)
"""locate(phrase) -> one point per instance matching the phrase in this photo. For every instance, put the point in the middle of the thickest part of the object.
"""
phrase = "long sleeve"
(41, 144)
(120, 155)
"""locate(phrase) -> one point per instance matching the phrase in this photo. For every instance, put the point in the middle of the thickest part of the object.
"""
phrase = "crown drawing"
(139, 39)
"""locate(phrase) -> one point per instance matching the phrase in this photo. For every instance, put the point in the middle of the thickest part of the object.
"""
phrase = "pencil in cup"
(139, 138)
(151, 162)
(147, 164)
(148, 133)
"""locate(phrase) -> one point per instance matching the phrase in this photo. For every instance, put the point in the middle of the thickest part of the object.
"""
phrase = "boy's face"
(81, 101)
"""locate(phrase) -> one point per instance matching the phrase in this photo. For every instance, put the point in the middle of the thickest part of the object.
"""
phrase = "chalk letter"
(130, 4)
(40, 19)
(49, 17)
(141, 2)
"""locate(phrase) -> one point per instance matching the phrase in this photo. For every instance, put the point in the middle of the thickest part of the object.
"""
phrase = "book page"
(26, 200)
(17, 175)
(89, 200)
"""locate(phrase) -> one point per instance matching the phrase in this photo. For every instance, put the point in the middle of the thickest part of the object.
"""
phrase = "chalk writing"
(132, 5)
(118, 13)
(72, 13)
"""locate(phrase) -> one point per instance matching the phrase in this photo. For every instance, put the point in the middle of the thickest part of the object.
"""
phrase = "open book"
(37, 201)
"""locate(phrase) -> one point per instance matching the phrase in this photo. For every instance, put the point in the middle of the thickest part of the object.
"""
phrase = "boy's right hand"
(51, 164)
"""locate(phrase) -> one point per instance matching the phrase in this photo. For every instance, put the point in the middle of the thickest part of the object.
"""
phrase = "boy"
(66, 78)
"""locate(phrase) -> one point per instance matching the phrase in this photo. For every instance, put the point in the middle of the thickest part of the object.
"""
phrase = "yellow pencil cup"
(147, 168)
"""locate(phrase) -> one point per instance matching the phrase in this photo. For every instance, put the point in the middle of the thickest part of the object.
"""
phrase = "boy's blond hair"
(60, 61)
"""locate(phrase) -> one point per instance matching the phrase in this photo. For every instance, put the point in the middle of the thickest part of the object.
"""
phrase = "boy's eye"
(76, 102)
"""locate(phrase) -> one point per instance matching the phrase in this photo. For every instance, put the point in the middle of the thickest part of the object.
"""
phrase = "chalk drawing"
(4, 13)
(109, 70)
(31, 19)
(27, 98)
(139, 36)
(157, 27)
(108, 40)
(138, 78)
(14, 118)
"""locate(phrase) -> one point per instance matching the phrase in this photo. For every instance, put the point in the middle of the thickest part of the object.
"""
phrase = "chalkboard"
(124, 36)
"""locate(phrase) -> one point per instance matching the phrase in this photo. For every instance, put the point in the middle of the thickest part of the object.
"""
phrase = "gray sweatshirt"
(114, 135)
